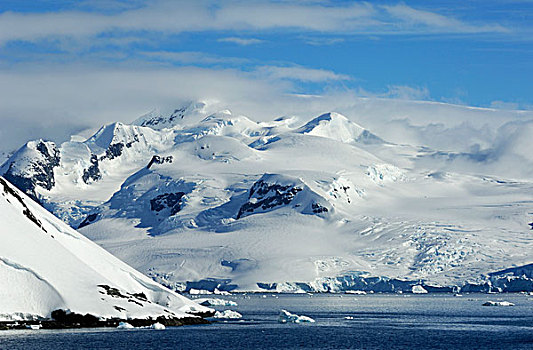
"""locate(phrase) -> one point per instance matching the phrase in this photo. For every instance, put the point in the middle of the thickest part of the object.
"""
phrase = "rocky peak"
(32, 165)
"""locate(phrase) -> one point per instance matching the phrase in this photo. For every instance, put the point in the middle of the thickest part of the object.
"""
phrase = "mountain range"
(208, 199)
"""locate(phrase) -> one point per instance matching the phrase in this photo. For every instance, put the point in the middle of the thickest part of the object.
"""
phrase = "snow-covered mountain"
(45, 266)
(202, 199)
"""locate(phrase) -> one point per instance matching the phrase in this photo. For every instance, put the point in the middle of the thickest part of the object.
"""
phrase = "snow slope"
(216, 200)
(45, 265)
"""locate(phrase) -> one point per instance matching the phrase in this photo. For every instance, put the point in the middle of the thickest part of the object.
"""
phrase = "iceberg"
(358, 292)
(227, 314)
(498, 303)
(287, 317)
(124, 325)
(158, 326)
(215, 302)
(418, 289)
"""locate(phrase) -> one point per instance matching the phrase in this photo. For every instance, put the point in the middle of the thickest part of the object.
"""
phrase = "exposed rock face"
(273, 191)
(158, 120)
(266, 195)
(92, 173)
(159, 160)
(25, 210)
(167, 200)
(33, 166)
(114, 150)
(88, 220)
(317, 208)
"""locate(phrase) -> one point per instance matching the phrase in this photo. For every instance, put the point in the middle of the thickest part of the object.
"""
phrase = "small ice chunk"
(498, 303)
(286, 317)
(221, 292)
(418, 289)
(158, 326)
(359, 292)
(34, 326)
(227, 314)
(193, 291)
(349, 318)
(124, 325)
(215, 302)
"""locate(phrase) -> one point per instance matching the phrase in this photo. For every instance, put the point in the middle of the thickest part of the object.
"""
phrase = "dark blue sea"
(377, 322)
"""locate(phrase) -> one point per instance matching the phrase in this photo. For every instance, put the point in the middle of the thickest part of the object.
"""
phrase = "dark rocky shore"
(63, 320)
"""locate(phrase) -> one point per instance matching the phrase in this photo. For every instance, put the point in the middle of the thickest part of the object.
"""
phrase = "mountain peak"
(156, 120)
(334, 126)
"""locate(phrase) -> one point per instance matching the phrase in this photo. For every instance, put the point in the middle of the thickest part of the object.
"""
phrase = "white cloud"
(240, 41)
(434, 22)
(404, 92)
(174, 17)
(55, 101)
(401, 92)
(300, 73)
(191, 57)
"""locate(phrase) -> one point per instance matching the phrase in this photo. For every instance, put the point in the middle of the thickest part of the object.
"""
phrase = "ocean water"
(378, 322)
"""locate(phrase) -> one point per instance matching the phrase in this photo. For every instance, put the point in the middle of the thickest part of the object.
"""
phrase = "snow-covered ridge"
(46, 266)
(338, 127)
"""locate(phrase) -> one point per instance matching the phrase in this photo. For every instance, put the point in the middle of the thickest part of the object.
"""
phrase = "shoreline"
(62, 320)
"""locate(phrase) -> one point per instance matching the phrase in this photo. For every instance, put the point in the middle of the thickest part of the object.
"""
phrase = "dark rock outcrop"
(167, 200)
(88, 220)
(159, 160)
(267, 196)
(92, 173)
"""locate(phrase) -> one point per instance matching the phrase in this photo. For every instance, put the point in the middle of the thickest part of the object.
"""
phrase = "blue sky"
(473, 52)
(477, 53)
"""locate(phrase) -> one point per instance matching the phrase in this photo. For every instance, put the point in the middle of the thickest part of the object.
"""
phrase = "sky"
(70, 65)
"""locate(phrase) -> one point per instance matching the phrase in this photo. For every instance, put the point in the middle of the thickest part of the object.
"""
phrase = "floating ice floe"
(349, 318)
(418, 289)
(193, 291)
(227, 314)
(215, 302)
(124, 325)
(359, 292)
(34, 326)
(221, 292)
(286, 317)
(498, 303)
